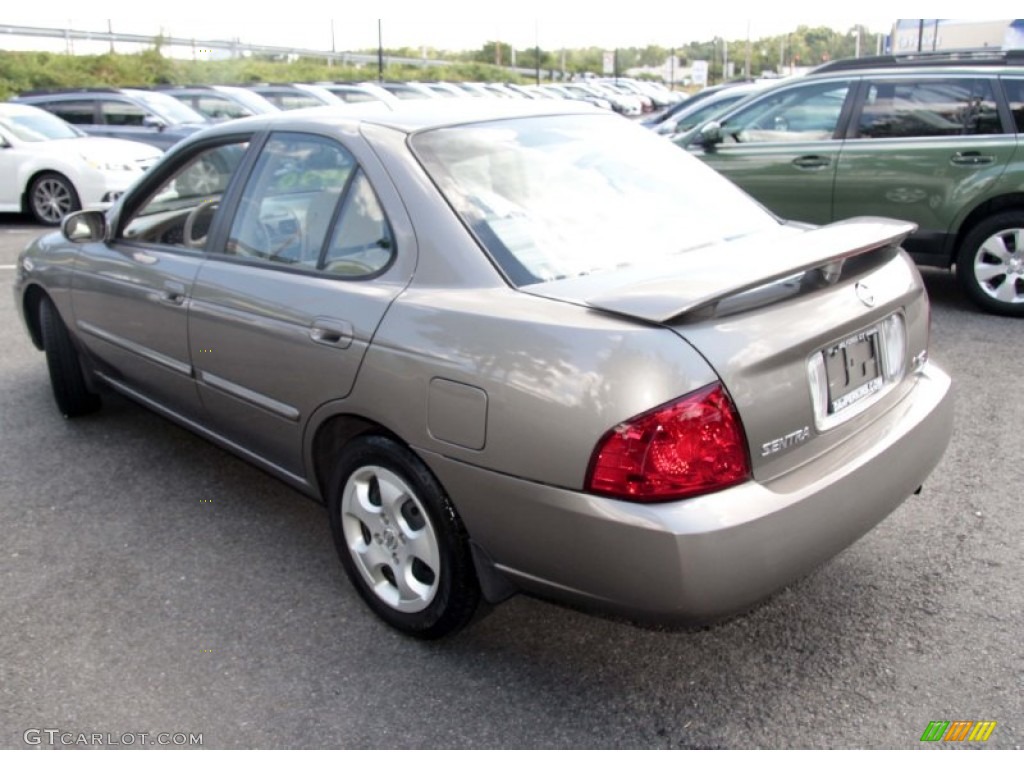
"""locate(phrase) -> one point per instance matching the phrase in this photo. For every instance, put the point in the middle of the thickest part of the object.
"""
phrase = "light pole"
(380, 53)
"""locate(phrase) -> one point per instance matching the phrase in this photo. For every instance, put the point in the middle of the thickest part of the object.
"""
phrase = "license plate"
(854, 370)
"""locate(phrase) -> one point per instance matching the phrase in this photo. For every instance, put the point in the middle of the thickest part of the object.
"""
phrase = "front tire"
(990, 265)
(400, 539)
(51, 197)
(66, 378)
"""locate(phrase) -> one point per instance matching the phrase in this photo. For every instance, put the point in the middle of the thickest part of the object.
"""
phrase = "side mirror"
(85, 227)
(709, 134)
(152, 121)
(667, 127)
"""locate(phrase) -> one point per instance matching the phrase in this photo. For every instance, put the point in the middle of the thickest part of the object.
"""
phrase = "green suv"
(929, 138)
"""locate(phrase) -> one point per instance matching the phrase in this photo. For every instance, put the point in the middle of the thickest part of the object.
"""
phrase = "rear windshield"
(565, 196)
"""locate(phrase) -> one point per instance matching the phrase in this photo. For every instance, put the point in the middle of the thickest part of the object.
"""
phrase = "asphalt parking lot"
(154, 584)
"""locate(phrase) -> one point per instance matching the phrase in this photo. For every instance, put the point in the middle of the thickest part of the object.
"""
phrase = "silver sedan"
(518, 346)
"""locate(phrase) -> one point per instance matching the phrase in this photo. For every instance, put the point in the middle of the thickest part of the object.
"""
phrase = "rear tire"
(990, 265)
(400, 539)
(66, 378)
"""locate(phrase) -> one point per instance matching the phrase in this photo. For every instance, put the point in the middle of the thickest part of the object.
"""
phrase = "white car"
(49, 168)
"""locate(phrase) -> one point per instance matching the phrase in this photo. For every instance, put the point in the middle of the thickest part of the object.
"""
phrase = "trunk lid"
(805, 327)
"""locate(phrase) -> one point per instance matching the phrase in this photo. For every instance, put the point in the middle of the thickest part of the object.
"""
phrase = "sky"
(467, 25)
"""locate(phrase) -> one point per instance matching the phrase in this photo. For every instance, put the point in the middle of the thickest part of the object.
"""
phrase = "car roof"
(930, 71)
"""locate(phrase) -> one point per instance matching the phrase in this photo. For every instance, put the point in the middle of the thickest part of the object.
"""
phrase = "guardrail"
(234, 47)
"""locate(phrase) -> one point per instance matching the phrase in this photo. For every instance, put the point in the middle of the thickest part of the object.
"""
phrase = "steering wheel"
(283, 230)
(188, 238)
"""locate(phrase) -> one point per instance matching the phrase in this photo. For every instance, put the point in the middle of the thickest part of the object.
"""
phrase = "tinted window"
(219, 108)
(192, 191)
(121, 113)
(808, 113)
(1015, 96)
(953, 107)
(288, 99)
(353, 96)
(75, 112)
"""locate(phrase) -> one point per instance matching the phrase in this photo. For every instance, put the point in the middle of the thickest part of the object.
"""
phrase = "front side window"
(287, 99)
(219, 108)
(807, 113)
(181, 210)
(167, 108)
(121, 113)
(307, 206)
(930, 107)
(558, 197)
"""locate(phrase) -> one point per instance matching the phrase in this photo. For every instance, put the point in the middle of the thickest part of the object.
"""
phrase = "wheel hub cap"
(391, 540)
(999, 266)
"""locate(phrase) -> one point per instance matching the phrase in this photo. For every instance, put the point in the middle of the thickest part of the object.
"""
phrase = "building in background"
(910, 35)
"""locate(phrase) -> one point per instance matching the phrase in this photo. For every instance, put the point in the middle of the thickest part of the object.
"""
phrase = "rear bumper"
(700, 559)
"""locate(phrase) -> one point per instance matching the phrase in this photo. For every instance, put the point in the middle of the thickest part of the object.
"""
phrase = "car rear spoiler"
(728, 269)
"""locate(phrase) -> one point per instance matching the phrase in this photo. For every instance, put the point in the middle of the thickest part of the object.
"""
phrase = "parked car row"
(49, 178)
(928, 138)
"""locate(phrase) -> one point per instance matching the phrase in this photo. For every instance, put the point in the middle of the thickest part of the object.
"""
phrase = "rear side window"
(931, 107)
(74, 112)
(308, 206)
(1015, 96)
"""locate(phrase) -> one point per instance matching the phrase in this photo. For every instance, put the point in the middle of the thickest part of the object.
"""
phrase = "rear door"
(783, 148)
(923, 149)
(284, 311)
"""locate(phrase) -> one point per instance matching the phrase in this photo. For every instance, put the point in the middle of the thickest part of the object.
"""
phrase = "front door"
(782, 149)
(131, 295)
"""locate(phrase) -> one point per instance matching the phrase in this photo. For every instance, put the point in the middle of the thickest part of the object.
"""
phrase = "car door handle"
(971, 158)
(170, 297)
(335, 333)
(173, 293)
(812, 162)
(144, 258)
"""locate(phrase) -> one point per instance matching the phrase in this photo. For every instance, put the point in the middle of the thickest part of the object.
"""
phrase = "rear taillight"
(687, 447)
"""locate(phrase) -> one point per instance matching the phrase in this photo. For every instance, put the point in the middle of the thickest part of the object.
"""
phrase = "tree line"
(806, 46)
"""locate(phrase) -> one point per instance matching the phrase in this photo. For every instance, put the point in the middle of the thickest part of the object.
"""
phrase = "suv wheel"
(990, 265)
(51, 197)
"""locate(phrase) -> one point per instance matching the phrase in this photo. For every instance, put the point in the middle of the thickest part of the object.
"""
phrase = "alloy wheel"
(391, 538)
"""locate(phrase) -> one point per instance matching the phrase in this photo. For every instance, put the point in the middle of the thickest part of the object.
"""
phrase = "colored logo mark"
(958, 730)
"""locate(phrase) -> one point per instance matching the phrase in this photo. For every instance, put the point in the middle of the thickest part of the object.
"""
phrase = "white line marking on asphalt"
(8, 266)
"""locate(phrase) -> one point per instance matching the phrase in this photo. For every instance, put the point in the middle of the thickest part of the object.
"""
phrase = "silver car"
(519, 346)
